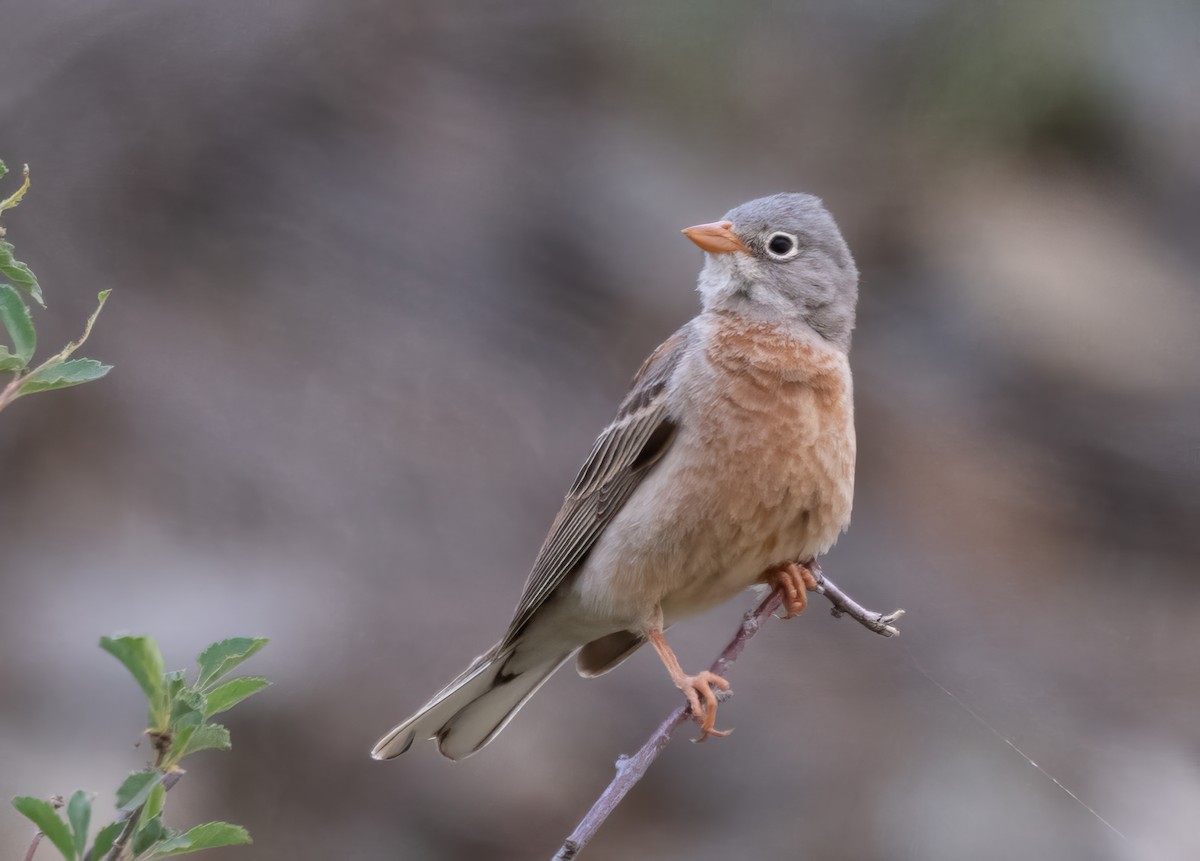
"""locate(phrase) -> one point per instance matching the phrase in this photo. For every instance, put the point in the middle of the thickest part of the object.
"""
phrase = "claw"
(693, 688)
(795, 581)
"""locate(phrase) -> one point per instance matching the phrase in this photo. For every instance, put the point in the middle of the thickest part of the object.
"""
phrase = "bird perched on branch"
(729, 463)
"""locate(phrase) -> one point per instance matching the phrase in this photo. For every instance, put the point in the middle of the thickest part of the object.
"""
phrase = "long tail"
(469, 712)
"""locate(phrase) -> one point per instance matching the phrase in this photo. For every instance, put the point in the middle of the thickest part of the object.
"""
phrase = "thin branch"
(844, 605)
(37, 839)
(122, 841)
(9, 393)
(631, 769)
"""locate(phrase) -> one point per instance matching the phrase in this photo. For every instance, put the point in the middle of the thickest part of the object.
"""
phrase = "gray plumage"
(819, 284)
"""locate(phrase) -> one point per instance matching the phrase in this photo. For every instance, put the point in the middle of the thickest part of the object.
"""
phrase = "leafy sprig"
(16, 279)
(179, 724)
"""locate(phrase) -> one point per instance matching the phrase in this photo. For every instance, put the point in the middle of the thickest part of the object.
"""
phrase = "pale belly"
(738, 492)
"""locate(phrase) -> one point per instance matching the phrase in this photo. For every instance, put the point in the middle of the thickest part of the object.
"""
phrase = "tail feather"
(467, 713)
(478, 722)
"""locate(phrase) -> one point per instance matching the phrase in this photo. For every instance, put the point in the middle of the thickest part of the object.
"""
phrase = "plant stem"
(118, 847)
(9, 393)
(844, 605)
(37, 838)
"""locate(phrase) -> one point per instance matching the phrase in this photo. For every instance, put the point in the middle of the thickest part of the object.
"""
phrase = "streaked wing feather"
(623, 455)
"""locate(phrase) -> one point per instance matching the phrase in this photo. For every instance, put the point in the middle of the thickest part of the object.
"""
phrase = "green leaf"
(9, 362)
(188, 700)
(148, 833)
(179, 744)
(62, 375)
(188, 708)
(207, 737)
(79, 813)
(231, 693)
(136, 789)
(219, 658)
(46, 818)
(167, 834)
(15, 198)
(72, 346)
(175, 681)
(187, 714)
(15, 318)
(141, 657)
(3, 168)
(154, 804)
(19, 274)
(104, 840)
(210, 835)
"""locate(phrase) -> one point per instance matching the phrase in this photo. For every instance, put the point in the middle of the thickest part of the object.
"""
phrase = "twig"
(631, 769)
(55, 802)
(131, 823)
(9, 393)
(37, 839)
(118, 847)
(844, 605)
(12, 391)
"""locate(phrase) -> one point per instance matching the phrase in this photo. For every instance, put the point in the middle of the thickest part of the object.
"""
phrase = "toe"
(704, 683)
(801, 603)
(714, 679)
(808, 578)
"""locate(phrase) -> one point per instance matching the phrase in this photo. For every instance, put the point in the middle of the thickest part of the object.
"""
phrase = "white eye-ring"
(782, 246)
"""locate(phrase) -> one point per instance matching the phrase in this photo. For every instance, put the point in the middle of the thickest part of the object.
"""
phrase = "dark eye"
(781, 245)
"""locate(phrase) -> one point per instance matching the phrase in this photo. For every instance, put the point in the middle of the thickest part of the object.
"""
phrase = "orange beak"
(716, 238)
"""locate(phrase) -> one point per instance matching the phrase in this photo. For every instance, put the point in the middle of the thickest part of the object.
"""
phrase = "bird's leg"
(794, 579)
(693, 687)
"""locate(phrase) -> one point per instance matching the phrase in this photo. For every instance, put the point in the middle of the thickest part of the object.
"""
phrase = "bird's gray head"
(780, 258)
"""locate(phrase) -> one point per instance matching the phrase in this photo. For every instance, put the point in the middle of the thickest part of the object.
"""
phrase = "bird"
(729, 464)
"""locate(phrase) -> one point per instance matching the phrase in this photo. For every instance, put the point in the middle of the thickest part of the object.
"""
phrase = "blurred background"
(380, 273)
